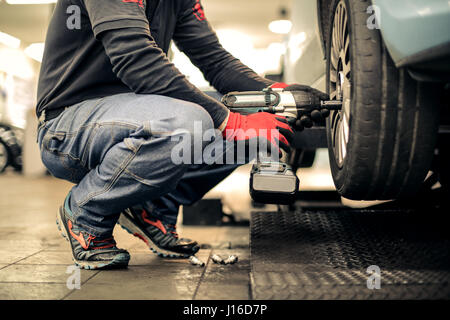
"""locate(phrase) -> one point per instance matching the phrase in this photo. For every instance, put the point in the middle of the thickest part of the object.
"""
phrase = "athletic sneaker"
(160, 237)
(88, 251)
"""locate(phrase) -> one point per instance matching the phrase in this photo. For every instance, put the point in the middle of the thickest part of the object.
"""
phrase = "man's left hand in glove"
(316, 116)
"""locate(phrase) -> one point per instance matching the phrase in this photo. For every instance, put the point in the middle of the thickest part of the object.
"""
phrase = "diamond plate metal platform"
(325, 254)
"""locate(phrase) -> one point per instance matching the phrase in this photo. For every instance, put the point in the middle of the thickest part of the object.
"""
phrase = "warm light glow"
(182, 62)
(296, 46)
(240, 45)
(235, 42)
(277, 48)
(35, 51)
(15, 62)
(280, 26)
(9, 40)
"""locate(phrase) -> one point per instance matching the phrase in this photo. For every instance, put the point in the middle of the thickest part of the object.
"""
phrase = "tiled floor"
(34, 258)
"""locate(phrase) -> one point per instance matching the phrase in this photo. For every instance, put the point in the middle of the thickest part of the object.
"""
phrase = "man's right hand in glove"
(261, 125)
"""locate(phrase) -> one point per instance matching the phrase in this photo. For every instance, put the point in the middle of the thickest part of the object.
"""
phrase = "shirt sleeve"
(116, 14)
(137, 60)
(195, 37)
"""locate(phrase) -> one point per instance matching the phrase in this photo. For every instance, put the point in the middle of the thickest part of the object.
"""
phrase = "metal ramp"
(324, 254)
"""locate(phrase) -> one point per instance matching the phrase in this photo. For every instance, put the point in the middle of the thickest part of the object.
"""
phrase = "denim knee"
(194, 117)
(196, 122)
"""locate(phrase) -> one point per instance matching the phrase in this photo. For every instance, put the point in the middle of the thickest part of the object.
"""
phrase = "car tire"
(381, 143)
(4, 156)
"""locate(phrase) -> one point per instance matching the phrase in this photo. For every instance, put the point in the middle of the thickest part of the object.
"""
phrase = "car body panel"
(304, 58)
(410, 27)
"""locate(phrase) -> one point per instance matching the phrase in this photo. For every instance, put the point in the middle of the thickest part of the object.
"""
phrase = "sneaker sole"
(120, 261)
(134, 230)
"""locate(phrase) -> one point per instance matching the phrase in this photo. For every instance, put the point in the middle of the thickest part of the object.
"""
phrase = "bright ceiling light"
(9, 40)
(35, 51)
(30, 1)
(280, 26)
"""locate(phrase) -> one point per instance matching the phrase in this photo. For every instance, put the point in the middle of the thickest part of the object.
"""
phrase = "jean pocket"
(53, 142)
(58, 161)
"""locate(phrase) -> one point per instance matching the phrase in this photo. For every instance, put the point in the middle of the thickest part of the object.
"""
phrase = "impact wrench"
(275, 182)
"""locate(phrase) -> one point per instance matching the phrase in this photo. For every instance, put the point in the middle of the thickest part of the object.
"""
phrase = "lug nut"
(306, 121)
(231, 259)
(217, 259)
(196, 261)
(316, 115)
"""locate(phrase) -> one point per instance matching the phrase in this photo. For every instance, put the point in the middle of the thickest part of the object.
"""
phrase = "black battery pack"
(273, 183)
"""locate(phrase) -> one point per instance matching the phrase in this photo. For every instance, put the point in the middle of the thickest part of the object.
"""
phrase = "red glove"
(279, 85)
(263, 124)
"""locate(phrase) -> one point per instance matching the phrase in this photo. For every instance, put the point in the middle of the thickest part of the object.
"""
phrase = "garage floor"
(316, 252)
(34, 258)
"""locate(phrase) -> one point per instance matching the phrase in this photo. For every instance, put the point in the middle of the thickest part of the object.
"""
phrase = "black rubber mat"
(325, 254)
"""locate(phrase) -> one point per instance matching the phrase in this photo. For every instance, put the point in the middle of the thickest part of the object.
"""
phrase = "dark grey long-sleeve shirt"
(121, 45)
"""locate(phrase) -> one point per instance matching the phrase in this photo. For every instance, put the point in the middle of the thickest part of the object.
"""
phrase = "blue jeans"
(117, 150)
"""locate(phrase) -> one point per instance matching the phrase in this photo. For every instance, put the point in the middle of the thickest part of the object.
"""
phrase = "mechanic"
(109, 102)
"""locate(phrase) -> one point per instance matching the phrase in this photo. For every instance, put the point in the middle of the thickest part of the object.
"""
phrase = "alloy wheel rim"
(3, 156)
(340, 83)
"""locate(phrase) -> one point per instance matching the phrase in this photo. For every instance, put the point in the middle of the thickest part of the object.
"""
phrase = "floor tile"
(226, 281)
(47, 257)
(18, 245)
(211, 291)
(32, 291)
(40, 273)
(152, 282)
(148, 258)
(11, 256)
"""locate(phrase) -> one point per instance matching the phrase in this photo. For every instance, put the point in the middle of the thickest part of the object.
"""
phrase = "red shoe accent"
(105, 246)
(141, 237)
(156, 223)
(140, 2)
(80, 237)
(173, 232)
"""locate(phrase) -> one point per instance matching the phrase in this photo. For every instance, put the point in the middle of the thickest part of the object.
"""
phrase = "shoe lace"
(173, 229)
(101, 243)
